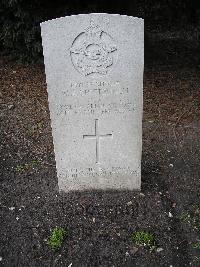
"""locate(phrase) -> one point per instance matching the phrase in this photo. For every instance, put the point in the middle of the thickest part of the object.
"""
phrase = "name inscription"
(95, 88)
(100, 105)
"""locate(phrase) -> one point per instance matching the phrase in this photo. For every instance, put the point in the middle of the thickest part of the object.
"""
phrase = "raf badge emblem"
(93, 51)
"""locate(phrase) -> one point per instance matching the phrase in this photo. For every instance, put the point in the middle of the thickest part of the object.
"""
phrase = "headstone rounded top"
(93, 14)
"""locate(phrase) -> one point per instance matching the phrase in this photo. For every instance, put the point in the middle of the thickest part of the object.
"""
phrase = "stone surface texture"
(94, 71)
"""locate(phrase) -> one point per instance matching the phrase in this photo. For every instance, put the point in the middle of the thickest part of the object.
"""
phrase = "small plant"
(196, 245)
(185, 217)
(27, 166)
(20, 168)
(34, 163)
(57, 237)
(35, 128)
(143, 238)
(192, 219)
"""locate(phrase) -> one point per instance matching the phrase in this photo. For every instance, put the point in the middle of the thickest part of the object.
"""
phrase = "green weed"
(25, 167)
(143, 238)
(57, 237)
(35, 128)
(185, 217)
(192, 219)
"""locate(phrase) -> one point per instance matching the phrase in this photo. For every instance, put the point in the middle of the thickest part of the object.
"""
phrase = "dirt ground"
(101, 223)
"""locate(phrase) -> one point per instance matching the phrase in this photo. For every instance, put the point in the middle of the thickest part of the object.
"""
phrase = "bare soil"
(101, 223)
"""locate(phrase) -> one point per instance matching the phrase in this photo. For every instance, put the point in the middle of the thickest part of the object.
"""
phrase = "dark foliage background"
(20, 19)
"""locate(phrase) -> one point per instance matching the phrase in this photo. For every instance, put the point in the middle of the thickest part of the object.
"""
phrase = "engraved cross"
(97, 136)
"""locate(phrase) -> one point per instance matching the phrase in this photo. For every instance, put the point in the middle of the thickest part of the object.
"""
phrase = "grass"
(24, 167)
(57, 237)
(144, 238)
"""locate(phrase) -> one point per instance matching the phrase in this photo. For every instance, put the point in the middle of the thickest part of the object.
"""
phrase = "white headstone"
(94, 72)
